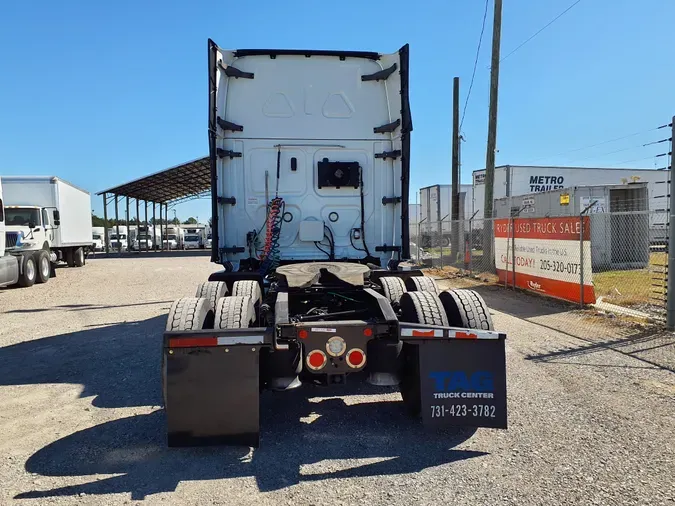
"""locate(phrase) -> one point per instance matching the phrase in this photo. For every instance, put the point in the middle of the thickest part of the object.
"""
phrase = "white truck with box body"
(195, 236)
(310, 157)
(174, 237)
(148, 238)
(46, 220)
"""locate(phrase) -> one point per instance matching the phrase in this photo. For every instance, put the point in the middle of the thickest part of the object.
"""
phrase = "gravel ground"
(80, 420)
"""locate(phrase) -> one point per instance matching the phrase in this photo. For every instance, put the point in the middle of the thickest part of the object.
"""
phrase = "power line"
(593, 145)
(541, 30)
(475, 63)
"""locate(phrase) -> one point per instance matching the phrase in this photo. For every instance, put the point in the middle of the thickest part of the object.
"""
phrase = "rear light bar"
(450, 333)
(201, 342)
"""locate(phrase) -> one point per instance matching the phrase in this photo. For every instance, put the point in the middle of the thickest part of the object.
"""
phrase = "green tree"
(190, 221)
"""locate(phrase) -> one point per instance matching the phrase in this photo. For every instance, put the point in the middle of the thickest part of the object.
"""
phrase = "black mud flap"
(456, 382)
(212, 395)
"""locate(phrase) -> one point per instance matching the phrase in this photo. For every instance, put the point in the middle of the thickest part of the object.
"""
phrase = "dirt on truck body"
(310, 165)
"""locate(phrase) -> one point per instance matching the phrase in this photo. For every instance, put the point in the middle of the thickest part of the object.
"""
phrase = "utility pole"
(492, 134)
(670, 290)
(454, 217)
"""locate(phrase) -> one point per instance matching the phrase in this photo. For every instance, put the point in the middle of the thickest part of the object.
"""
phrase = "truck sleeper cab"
(310, 154)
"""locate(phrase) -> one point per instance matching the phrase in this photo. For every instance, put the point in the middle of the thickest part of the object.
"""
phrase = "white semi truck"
(310, 172)
(118, 242)
(98, 238)
(47, 220)
(175, 237)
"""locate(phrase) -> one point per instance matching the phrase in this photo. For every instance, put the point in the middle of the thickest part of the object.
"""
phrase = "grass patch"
(631, 287)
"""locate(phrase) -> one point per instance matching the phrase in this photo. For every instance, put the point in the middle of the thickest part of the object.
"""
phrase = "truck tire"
(422, 284)
(393, 288)
(69, 257)
(212, 291)
(79, 258)
(423, 307)
(43, 266)
(467, 309)
(244, 288)
(28, 271)
(190, 313)
(235, 312)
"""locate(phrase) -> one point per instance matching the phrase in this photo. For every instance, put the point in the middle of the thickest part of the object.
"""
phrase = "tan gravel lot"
(81, 422)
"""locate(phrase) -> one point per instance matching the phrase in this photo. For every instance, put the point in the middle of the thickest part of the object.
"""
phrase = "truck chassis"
(322, 322)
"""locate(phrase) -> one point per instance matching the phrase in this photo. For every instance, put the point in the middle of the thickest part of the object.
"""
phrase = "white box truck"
(149, 237)
(174, 237)
(46, 220)
(195, 236)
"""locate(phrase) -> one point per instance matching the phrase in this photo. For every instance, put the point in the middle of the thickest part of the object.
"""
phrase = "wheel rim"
(44, 267)
(30, 269)
(81, 256)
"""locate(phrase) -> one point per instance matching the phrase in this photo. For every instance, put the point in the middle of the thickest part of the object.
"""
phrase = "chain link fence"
(600, 277)
(614, 262)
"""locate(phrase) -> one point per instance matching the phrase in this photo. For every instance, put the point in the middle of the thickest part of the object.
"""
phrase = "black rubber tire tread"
(235, 312)
(422, 284)
(246, 287)
(40, 256)
(423, 307)
(212, 291)
(188, 313)
(79, 258)
(393, 288)
(467, 309)
(23, 280)
(70, 257)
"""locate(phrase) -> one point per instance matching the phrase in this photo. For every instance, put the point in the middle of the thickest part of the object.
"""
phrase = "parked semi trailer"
(47, 220)
(314, 286)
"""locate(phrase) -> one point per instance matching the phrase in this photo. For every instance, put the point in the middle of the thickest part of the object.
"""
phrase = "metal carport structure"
(177, 184)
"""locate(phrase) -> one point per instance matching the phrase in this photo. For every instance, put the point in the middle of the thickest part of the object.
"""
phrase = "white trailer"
(436, 212)
(511, 180)
(45, 213)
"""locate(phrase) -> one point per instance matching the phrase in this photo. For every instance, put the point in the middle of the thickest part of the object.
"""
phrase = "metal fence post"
(105, 223)
(670, 293)
(513, 252)
(581, 260)
(117, 226)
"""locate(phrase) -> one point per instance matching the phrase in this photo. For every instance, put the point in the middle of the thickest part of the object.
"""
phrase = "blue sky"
(99, 93)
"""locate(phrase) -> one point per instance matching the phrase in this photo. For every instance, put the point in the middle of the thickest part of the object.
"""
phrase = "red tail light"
(316, 360)
(356, 358)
